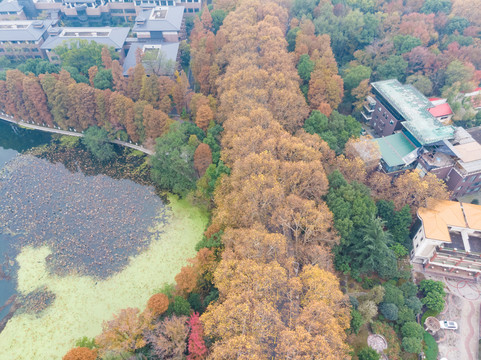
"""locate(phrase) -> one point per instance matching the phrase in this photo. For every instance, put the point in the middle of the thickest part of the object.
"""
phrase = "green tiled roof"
(413, 107)
(394, 148)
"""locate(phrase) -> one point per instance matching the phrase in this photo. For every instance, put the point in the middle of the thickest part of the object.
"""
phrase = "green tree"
(436, 6)
(414, 304)
(179, 307)
(421, 82)
(173, 161)
(405, 314)
(354, 75)
(412, 345)
(389, 311)
(405, 43)
(184, 49)
(356, 321)
(434, 301)
(393, 68)
(82, 54)
(368, 353)
(393, 295)
(218, 17)
(96, 140)
(412, 330)
(291, 38)
(103, 80)
(305, 67)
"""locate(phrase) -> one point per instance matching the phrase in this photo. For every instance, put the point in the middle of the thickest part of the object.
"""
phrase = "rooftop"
(108, 36)
(10, 6)
(169, 49)
(23, 30)
(395, 149)
(413, 107)
(468, 152)
(160, 19)
(441, 110)
(439, 215)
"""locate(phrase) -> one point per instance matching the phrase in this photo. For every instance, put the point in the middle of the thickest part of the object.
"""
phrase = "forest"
(300, 224)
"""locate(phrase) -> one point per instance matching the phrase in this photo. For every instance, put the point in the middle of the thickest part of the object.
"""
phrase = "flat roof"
(413, 107)
(468, 152)
(167, 18)
(23, 30)
(170, 50)
(439, 215)
(10, 6)
(109, 36)
(394, 148)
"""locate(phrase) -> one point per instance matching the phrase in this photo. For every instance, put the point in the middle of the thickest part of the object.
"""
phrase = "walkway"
(10, 119)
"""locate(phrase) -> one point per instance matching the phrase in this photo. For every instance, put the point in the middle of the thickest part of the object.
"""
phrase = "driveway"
(463, 306)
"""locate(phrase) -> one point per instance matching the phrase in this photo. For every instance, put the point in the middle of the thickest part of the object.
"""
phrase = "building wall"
(21, 50)
(13, 15)
(461, 185)
(383, 122)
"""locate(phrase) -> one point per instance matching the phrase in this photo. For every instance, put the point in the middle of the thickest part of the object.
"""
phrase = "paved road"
(10, 119)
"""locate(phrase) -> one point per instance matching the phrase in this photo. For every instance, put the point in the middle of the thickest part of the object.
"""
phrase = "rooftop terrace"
(394, 149)
(413, 107)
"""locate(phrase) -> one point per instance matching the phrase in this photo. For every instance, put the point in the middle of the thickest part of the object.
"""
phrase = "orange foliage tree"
(158, 303)
(80, 353)
(202, 159)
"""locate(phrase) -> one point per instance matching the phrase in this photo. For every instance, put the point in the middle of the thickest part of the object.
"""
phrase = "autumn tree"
(106, 58)
(80, 353)
(203, 117)
(124, 333)
(168, 337)
(197, 348)
(202, 159)
(158, 303)
(156, 122)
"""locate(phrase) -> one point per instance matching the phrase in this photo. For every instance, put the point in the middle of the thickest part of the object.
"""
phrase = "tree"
(172, 163)
(354, 75)
(197, 348)
(412, 345)
(180, 306)
(305, 67)
(156, 122)
(436, 6)
(412, 330)
(202, 159)
(80, 353)
(389, 311)
(106, 58)
(92, 73)
(368, 353)
(103, 79)
(356, 321)
(393, 68)
(124, 333)
(368, 310)
(96, 140)
(168, 338)
(155, 62)
(203, 117)
(158, 303)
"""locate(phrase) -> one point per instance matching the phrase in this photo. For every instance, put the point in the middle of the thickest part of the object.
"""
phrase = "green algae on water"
(82, 303)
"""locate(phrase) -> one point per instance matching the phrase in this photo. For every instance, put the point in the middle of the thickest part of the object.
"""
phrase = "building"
(163, 62)
(22, 39)
(112, 37)
(441, 110)
(11, 10)
(103, 12)
(403, 107)
(398, 153)
(160, 24)
(449, 239)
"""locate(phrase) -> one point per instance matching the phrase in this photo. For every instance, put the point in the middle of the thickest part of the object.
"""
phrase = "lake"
(77, 244)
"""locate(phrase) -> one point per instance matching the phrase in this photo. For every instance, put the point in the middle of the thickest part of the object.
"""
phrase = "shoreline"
(12, 120)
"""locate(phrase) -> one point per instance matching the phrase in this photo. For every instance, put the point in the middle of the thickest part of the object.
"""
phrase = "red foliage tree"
(80, 353)
(197, 348)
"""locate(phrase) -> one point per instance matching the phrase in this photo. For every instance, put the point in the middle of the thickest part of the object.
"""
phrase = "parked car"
(449, 325)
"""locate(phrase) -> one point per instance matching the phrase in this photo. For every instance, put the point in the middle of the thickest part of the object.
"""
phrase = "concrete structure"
(164, 63)
(112, 37)
(160, 24)
(398, 153)
(449, 238)
(11, 10)
(22, 39)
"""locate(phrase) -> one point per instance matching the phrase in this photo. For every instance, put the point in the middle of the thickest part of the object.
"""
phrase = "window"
(196, 10)
(476, 189)
(34, 49)
(391, 122)
(163, 3)
(171, 3)
(129, 11)
(473, 178)
(191, 10)
(459, 188)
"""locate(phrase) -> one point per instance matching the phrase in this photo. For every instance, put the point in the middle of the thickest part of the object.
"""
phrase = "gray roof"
(171, 22)
(10, 6)
(114, 37)
(23, 30)
(170, 50)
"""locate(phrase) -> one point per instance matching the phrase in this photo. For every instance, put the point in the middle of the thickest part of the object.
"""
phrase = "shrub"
(409, 289)
(376, 294)
(80, 353)
(180, 306)
(158, 303)
(367, 353)
(431, 347)
(195, 302)
(427, 314)
(412, 330)
(356, 321)
(412, 345)
(354, 302)
(85, 342)
(389, 311)
(434, 301)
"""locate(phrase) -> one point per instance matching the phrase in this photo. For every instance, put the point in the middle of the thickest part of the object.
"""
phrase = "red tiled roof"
(434, 99)
(441, 110)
